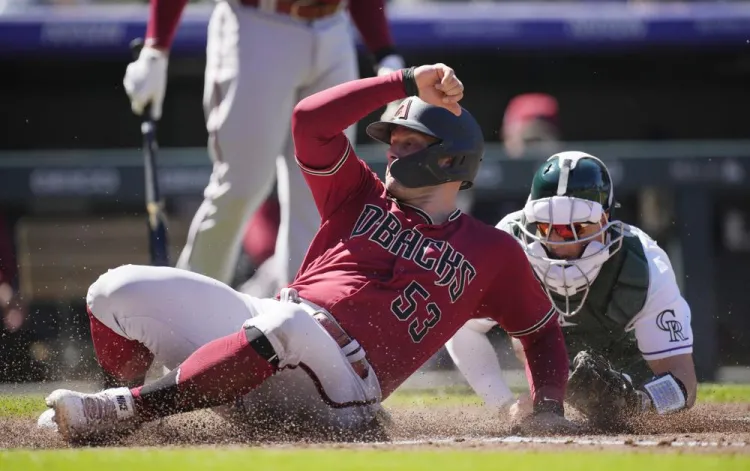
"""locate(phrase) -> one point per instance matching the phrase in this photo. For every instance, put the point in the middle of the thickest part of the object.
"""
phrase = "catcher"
(626, 325)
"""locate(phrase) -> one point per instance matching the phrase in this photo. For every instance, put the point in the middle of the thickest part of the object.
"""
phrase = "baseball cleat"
(81, 416)
(46, 421)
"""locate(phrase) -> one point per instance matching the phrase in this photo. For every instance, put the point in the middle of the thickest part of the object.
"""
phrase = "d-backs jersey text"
(398, 283)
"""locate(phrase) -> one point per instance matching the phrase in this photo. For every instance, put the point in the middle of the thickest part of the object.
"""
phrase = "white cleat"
(81, 416)
(46, 421)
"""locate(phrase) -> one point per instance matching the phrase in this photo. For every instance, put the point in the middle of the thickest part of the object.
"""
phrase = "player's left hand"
(390, 64)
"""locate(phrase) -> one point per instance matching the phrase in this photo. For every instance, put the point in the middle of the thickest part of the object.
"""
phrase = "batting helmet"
(459, 137)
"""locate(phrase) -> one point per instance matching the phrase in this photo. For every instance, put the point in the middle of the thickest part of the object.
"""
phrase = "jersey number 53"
(410, 305)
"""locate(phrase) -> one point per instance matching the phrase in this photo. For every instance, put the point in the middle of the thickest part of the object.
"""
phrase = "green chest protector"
(618, 293)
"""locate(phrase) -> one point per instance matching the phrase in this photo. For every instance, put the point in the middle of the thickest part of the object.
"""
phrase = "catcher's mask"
(570, 190)
(459, 137)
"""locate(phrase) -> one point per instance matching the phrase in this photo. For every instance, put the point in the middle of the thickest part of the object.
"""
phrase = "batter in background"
(262, 57)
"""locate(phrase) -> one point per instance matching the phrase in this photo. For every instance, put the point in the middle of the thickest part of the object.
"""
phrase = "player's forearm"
(164, 17)
(476, 359)
(322, 117)
(683, 368)
(371, 21)
(546, 362)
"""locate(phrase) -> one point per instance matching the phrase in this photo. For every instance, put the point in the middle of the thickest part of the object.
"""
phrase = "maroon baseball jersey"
(397, 282)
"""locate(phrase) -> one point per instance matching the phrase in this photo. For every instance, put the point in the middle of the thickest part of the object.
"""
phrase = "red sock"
(125, 360)
(217, 373)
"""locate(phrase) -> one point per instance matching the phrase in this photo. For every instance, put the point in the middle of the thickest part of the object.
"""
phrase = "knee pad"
(287, 330)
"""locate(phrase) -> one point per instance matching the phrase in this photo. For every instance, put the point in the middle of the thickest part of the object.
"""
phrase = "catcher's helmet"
(569, 191)
(575, 175)
(459, 137)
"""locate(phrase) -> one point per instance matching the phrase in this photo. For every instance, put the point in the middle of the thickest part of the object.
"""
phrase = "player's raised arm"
(325, 155)
(146, 78)
(318, 123)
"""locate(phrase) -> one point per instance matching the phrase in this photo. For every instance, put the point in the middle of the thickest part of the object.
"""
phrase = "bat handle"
(147, 126)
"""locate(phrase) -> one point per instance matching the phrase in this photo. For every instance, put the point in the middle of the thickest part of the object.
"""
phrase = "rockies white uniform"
(661, 328)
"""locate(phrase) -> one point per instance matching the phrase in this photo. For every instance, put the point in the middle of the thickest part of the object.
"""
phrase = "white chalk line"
(567, 441)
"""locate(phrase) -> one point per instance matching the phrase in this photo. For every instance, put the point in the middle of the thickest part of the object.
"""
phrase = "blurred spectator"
(11, 308)
(531, 125)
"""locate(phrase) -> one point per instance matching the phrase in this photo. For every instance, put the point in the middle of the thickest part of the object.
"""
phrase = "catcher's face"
(404, 142)
(568, 232)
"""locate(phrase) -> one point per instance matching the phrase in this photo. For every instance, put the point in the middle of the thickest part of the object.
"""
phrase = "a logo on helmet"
(403, 110)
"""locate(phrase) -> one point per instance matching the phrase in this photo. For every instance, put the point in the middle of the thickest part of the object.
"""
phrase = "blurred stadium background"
(658, 90)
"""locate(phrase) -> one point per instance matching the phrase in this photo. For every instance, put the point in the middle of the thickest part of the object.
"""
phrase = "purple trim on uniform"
(667, 350)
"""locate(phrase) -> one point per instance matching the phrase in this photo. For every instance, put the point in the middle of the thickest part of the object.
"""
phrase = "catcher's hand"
(145, 81)
(605, 396)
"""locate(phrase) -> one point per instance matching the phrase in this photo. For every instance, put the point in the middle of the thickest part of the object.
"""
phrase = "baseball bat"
(157, 232)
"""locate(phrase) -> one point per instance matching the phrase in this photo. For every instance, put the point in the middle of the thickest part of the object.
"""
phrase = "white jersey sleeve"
(662, 328)
(476, 359)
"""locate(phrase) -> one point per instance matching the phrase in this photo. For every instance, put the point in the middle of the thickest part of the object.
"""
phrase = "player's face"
(560, 233)
(404, 142)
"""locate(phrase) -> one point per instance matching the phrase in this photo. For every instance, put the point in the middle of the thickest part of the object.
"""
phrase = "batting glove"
(146, 81)
(386, 66)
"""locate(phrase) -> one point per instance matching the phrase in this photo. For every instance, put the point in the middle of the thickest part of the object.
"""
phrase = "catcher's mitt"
(606, 397)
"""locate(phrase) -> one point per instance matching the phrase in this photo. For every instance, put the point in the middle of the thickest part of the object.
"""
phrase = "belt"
(308, 10)
(349, 347)
(361, 367)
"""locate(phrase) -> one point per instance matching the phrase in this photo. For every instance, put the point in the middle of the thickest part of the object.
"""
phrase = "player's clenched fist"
(439, 86)
(146, 81)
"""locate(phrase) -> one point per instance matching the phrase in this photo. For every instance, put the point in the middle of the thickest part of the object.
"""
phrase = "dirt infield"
(707, 428)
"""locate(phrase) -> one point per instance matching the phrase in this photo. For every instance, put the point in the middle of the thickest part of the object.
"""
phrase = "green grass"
(724, 393)
(360, 460)
(707, 393)
(32, 405)
(21, 405)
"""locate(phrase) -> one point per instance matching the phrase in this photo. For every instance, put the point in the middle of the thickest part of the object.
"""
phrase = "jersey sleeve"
(662, 328)
(334, 185)
(516, 301)
(164, 17)
(331, 167)
(475, 358)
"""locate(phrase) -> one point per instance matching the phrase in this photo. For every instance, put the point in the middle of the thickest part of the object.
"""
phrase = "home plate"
(565, 441)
